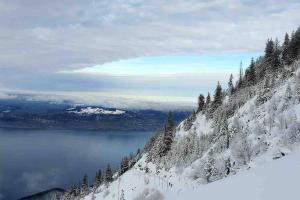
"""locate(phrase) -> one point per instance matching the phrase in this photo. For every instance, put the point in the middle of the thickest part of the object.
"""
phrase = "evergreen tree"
(276, 62)
(218, 95)
(240, 82)
(189, 121)
(252, 74)
(294, 46)
(297, 88)
(124, 165)
(108, 174)
(269, 50)
(224, 130)
(285, 53)
(227, 167)
(201, 103)
(98, 179)
(167, 136)
(230, 85)
(207, 101)
(210, 169)
(85, 185)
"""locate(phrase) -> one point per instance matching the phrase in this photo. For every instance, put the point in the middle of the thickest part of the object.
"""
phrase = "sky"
(158, 50)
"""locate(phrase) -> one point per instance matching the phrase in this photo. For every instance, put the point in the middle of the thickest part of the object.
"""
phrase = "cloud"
(4, 95)
(39, 181)
(39, 39)
(67, 34)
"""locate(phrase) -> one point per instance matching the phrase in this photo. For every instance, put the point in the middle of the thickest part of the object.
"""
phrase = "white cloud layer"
(40, 38)
(63, 34)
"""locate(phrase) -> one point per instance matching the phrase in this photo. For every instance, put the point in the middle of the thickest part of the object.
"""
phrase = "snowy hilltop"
(228, 148)
(90, 111)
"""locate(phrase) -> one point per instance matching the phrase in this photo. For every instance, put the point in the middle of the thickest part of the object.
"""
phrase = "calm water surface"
(36, 160)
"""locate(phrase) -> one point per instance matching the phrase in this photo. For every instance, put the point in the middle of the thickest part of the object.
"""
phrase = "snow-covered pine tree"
(230, 85)
(210, 170)
(85, 188)
(98, 179)
(207, 102)
(297, 88)
(252, 74)
(217, 100)
(167, 136)
(201, 103)
(108, 174)
(189, 121)
(269, 51)
(276, 60)
(285, 46)
(240, 81)
(294, 46)
(124, 165)
(227, 166)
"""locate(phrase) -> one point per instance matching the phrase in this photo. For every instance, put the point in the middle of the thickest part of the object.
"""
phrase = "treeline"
(262, 73)
(263, 69)
(274, 67)
(85, 187)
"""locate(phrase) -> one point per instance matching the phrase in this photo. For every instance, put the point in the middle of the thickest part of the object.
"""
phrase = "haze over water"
(36, 160)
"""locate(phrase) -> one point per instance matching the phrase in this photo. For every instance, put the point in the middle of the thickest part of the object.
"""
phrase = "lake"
(35, 160)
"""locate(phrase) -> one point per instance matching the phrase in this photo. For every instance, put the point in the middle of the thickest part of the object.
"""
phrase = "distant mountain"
(52, 194)
(27, 114)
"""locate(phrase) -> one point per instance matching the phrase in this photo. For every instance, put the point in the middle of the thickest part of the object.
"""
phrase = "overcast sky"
(84, 45)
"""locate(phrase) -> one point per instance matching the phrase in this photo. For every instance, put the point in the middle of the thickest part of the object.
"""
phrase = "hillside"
(235, 136)
(21, 113)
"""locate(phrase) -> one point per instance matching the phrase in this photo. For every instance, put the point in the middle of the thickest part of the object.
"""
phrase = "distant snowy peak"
(93, 111)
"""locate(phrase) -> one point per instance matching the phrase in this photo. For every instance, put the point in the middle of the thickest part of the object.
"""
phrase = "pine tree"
(297, 88)
(167, 136)
(85, 185)
(124, 165)
(252, 74)
(294, 46)
(189, 121)
(288, 92)
(276, 62)
(285, 46)
(201, 103)
(227, 167)
(98, 179)
(218, 96)
(108, 174)
(230, 85)
(240, 82)
(224, 130)
(209, 169)
(207, 101)
(269, 50)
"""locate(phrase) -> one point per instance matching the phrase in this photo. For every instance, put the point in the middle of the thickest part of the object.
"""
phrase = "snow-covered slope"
(232, 151)
(275, 180)
(261, 132)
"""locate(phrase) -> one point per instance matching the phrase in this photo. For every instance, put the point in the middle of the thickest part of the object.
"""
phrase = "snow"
(90, 111)
(276, 180)
(269, 130)
(201, 125)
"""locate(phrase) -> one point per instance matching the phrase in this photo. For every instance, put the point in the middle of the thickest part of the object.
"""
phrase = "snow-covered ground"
(90, 111)
(275, 180)
(264, 153)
